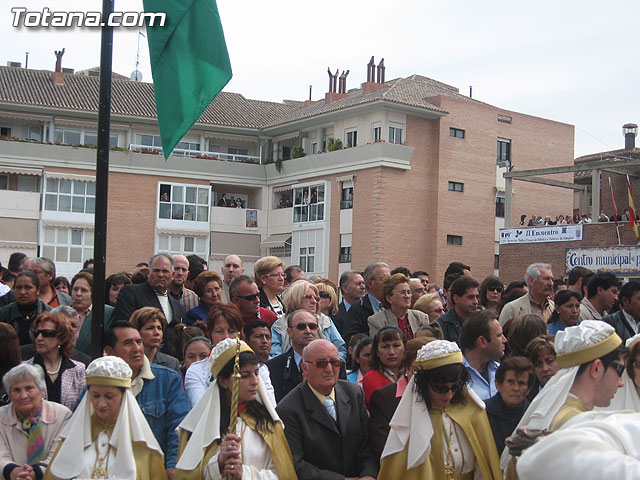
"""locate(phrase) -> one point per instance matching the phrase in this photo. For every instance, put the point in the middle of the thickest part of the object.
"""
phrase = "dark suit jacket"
(339, 318)
(355, 321)
(617, 321)
(135, 296)
(284, 373)
(382, 406)
(321, 447)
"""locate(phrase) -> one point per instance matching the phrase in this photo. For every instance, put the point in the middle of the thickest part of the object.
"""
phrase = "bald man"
(326, 422)
(187, 298)
(231, 268)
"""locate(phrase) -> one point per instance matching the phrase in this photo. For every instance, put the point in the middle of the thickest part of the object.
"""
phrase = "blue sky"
(574, 62)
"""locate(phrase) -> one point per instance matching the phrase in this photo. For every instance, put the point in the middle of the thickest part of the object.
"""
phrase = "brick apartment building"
(417, 183)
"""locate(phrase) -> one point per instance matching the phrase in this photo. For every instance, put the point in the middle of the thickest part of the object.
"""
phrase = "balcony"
(200, 154)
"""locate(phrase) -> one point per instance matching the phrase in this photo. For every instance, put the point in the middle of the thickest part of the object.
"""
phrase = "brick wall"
(515, 258)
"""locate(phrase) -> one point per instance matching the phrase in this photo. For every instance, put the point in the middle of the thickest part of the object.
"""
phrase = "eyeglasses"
(495, 289)
(619, 367)
(310, 297)
(438, 310)
(46, 333)
(404, 292)
(445, 388)
(323, 363)
(303, 326)
(248, 297)
(275, 275)
(324, 294)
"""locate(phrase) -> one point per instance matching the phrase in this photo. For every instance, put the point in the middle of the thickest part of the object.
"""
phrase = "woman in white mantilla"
(108, 436)
(257, 449)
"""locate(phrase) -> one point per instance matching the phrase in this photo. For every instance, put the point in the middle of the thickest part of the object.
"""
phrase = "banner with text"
(557, 233)
(624, 259)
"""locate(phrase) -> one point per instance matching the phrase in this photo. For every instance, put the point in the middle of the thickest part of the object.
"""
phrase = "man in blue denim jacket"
(157, 389)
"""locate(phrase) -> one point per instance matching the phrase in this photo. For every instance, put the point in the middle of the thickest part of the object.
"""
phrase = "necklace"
(57, 371)
(102, 462)
(450, 470)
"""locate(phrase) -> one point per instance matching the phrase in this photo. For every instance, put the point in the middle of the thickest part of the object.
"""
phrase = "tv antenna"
(136, 75)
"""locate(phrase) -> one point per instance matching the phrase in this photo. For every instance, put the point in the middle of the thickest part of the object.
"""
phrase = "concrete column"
(584, 200)
(203, 145)
(595, 194)
(52, 126)
(319, 135)
(508, 201)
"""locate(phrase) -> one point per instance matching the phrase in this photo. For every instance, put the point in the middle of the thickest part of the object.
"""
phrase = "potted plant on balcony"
(334, 144)
(297, 152)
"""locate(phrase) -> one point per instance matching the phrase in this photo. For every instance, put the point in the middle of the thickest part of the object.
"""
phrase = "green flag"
(189, 61)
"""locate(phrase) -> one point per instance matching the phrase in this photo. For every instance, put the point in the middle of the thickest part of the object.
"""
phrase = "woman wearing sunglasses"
(64, 377)
(451, 437)
(628, 396)
(431, 305)
(303, 295)
(491, 290)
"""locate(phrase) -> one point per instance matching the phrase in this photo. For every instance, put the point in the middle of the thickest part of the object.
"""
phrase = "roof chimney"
(630, 132)
(58, 75)
(332, 95)
(374, 84)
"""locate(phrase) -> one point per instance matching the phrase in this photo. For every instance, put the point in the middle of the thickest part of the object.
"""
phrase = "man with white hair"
(591, 361)
(539, 279)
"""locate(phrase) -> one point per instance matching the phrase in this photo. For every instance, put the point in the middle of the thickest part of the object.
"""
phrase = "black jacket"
(284, 373)
(12, 315)
(451, 325)
(619, 322)
(355, 321)
(503, 419)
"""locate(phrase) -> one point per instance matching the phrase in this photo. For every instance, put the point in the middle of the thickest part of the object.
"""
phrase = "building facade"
(417, 181)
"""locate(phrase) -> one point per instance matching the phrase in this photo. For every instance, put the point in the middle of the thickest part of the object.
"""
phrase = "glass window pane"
(90, 138)
(305, 214)
(190, 195)
(203, 214)
(310, 264)
(320, 212)
(49, 235)
(90, 206)
(27, 183)
(321, 193)
(51, 202)
(203, 196)
(165, 210)
(313, 212)
(91, 188)
(48, 251)
(78, 204)
(175, 243)
(57, 135)
(177, 194)
(201, 244)
(163, 242)
(52, 185)
(87, 253)
(303, 251)
(62, 235)
(113, 140)
(62, 254)
(88, 238)
(176, 211)
(72, 136)
(188, 244)
(145, 139)
(303, 263)
(76, 236)
(79, 187)
(190, 213)
(75, 255)
(297, 214)
(65, 186)
(312, 250)
(64, 203)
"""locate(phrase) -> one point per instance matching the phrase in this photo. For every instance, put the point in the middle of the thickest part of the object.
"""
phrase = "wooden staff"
(233, 417)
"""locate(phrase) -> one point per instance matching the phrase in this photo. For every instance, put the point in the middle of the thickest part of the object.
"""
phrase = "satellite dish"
(136, 76)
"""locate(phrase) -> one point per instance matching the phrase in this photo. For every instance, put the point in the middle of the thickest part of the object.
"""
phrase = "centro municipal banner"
(558, 233)
(604, 259)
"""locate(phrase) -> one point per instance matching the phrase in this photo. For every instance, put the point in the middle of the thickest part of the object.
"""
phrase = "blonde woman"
(269, 275)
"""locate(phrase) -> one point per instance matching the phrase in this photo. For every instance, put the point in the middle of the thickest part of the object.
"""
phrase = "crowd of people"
(575, 219)
(276, 375)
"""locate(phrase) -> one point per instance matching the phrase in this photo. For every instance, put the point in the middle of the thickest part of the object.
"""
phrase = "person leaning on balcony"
(269, 275)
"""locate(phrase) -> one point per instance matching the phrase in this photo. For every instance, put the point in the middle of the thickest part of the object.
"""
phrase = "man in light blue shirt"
(482, 343)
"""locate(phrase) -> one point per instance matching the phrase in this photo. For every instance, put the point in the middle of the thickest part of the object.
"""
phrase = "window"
(237, 151)
(377, 134)
(286, 153)
(63, 244)
(4, 182)
(28, 183)
(63, 195)
(281, 252)
(67, 135)
(345, 255)
(308, 204)
(346, 201)
(307, 258)
(500, 207)
(395, 135)
(454, 240)
(5, 131)
(189, 146)
(314, 148)
(456, 187)
(351, 138)
(148, 140)
(34, 132)
(504, 118)
(456, 133)
(91, 138)
(183, 244)
(504, 151)
(184, 202)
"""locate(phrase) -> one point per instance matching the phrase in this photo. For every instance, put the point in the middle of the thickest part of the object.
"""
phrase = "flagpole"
(102, 183)
(615, 212)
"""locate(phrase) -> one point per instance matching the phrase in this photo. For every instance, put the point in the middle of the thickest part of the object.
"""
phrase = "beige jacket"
(13, 440)
(387, 318)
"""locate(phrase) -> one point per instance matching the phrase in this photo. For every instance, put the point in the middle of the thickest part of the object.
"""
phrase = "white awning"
(277, 240)
(282, 188)
(345, 178)
(70, 176)
(20, 171)
(190, 233)
(63, 224)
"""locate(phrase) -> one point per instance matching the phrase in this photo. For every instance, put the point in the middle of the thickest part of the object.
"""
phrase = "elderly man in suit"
(326, 422)
(353, 289)
(355, 321)
(539, 279)
(153, 293)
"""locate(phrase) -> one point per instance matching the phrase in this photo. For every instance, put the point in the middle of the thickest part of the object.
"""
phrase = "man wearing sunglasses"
(591, 360)
(326, 422)
(244, 293)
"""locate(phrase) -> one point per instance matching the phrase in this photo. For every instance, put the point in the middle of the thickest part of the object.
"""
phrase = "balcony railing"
(181, 152)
